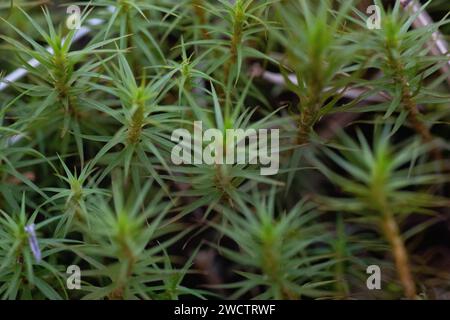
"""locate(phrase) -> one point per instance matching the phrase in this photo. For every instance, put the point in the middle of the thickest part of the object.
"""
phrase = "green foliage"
(380, 175)
(87, 176)
(22, 275)
(280, 252)
(322, 57)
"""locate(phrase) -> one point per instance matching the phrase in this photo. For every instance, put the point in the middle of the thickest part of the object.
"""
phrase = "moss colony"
(196, 149)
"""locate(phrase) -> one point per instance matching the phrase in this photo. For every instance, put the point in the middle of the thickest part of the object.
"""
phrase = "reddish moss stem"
(305, 125)
(135, 129)
(200, 13)
(392, 234)
(271, 267)
(409, 103)
(235, 41)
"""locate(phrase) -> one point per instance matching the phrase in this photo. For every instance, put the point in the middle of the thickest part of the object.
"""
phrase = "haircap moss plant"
(405, 65)
(379, 181)
(57, 79)
(126, 233)
(23, 270)
(322, 57)
(89, 123)
(285, 254)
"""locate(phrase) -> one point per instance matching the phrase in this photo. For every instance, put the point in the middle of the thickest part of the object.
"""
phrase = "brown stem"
(135, 129)
(61, 72)
(392, 234)
(409, 103)
(271, 267)
(310, 107)
(236, 39)
(305, 125)
(119, 291)
(200, 13)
